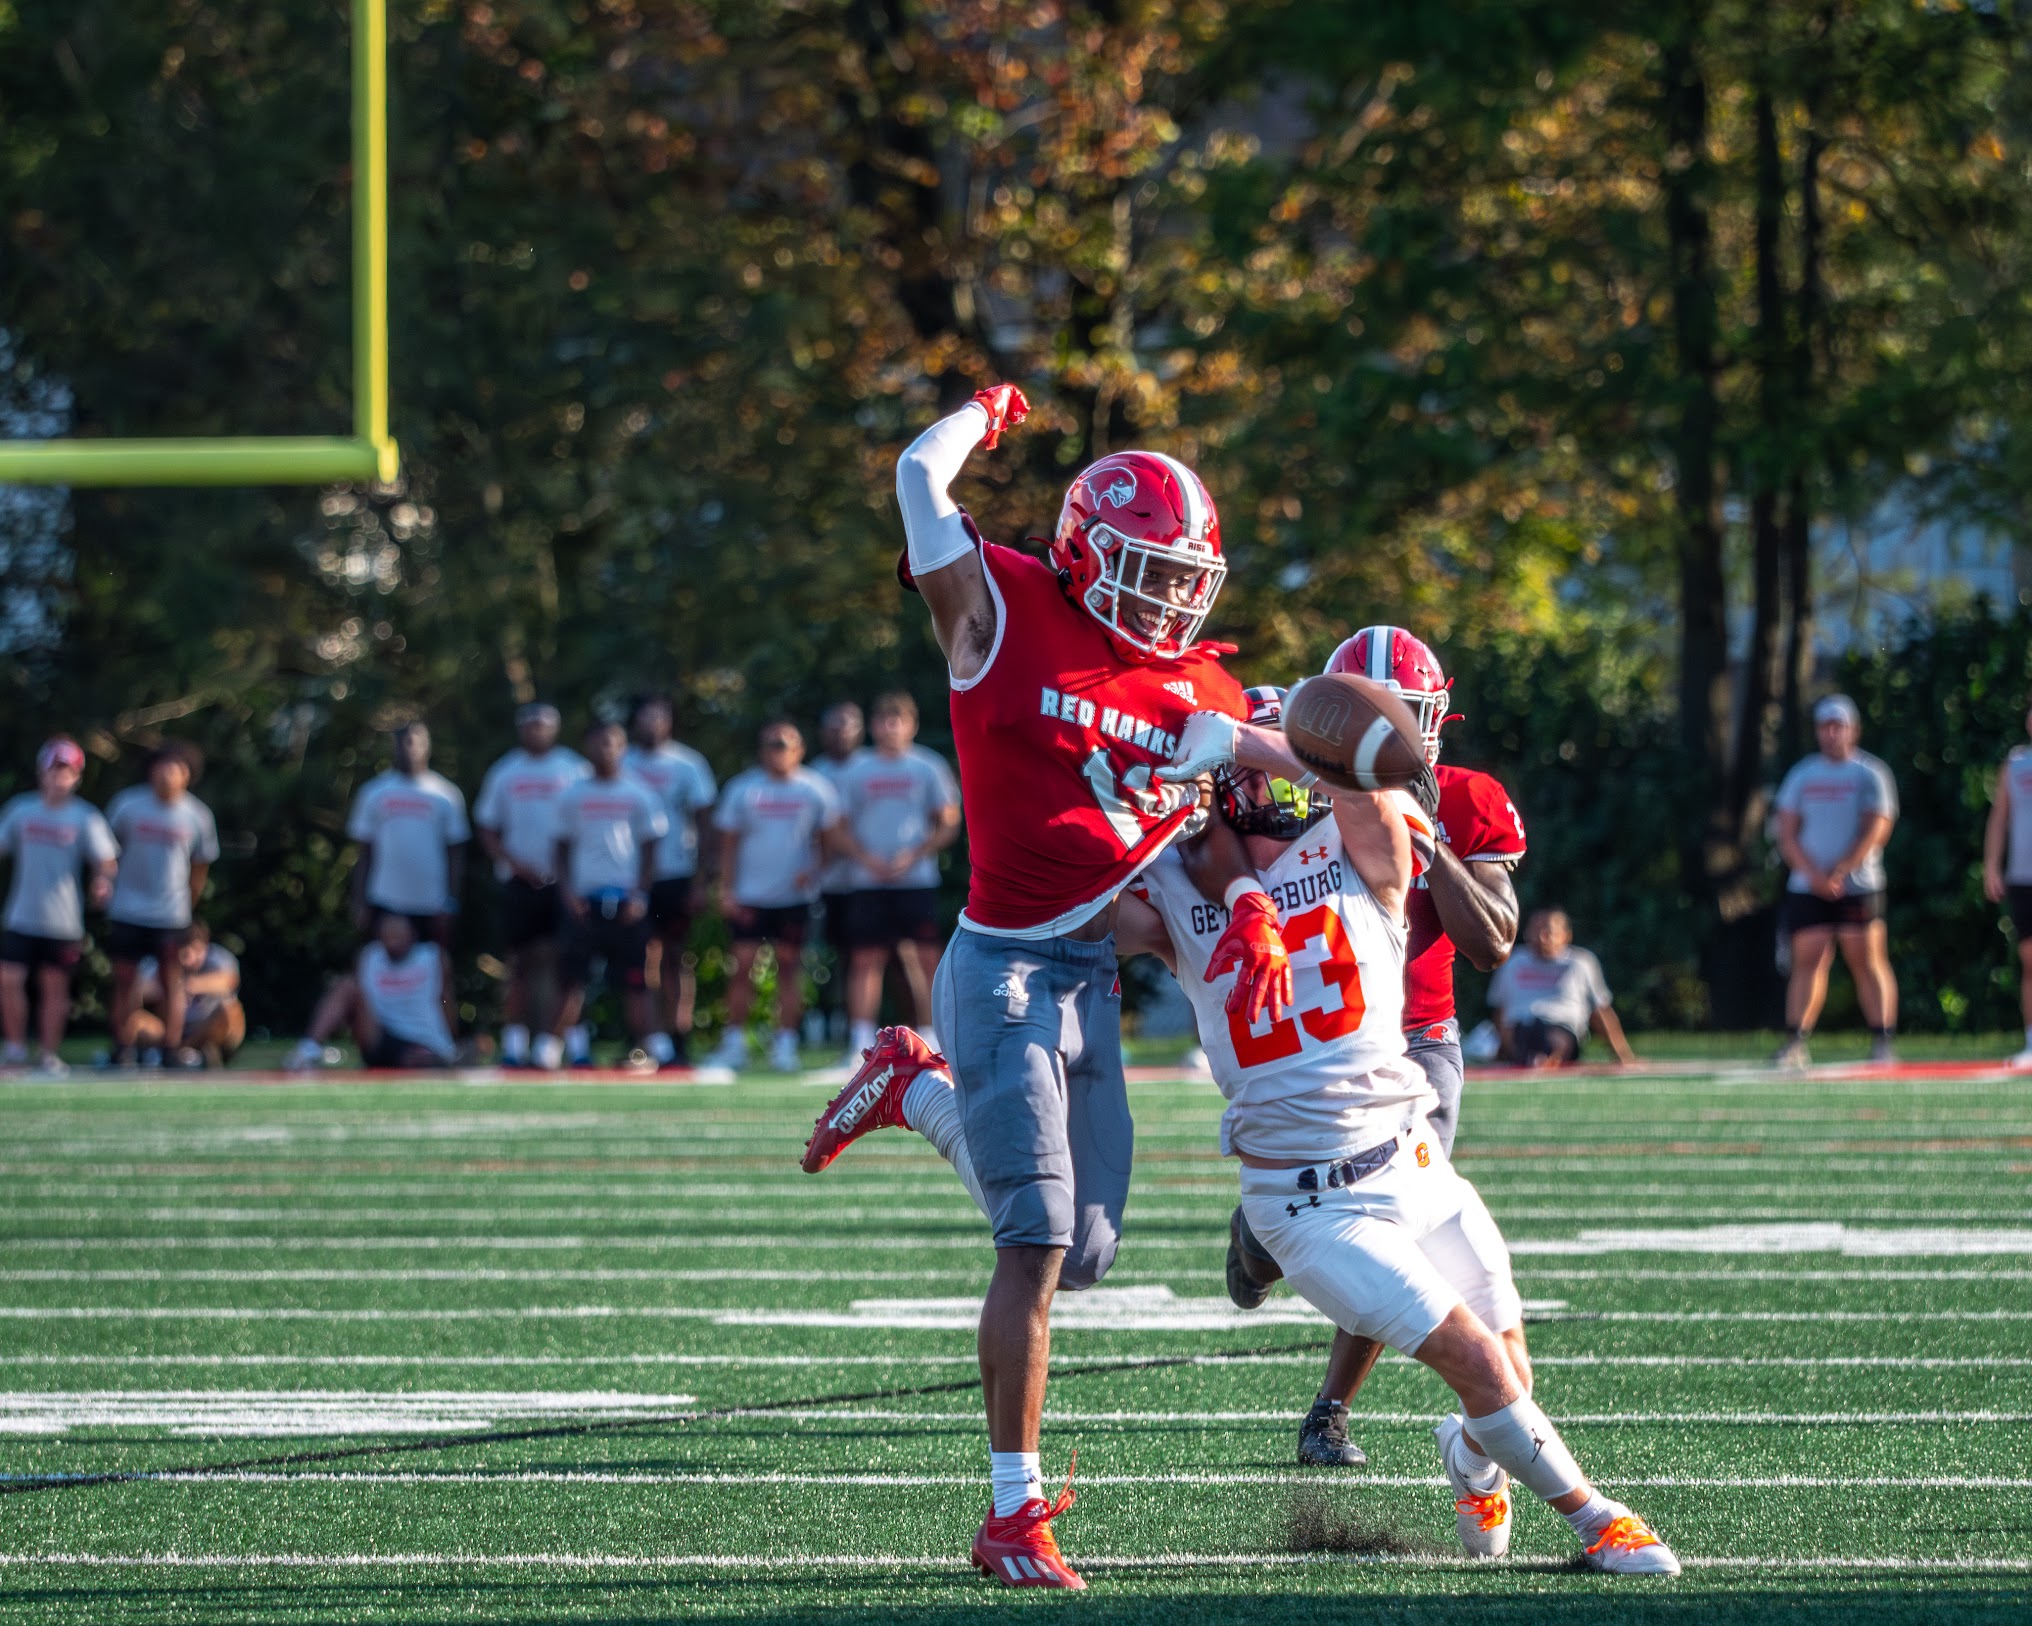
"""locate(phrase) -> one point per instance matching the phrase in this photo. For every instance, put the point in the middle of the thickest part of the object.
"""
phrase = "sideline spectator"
(685, 784)
(840, 732)
(608, 828)
(1549, 995)
(517, 818)
(2007, 867)
(1835, 812)
(902, 809)
(214, 1024)
(53, 835)
(776, 822)
(168, 844)
(397, 1004)
(410, 825)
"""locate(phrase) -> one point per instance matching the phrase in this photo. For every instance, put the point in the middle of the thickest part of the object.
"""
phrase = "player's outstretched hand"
(1006, 407)
(1205, 743)
(1253, 949)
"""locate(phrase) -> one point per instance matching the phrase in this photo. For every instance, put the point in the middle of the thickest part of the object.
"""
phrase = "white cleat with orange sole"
(1627, 1546)
(1481, 1517)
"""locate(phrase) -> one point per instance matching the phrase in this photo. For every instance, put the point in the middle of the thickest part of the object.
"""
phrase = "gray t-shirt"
(411, 824)
(518, 802)
(159, 841)
(1832, 799)
(686, 787)
(608, 823)
(778, 821)
(1565, 992)
(50, 846)
(2018, 794)
(890, 804)
(839, 874)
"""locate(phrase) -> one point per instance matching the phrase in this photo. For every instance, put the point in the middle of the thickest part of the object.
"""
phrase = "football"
(1353, 732)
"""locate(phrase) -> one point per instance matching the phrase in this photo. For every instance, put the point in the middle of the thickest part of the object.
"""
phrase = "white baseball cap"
(1837, 708)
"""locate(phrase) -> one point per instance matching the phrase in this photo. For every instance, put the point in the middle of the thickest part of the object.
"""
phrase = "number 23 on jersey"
(1330, 1003)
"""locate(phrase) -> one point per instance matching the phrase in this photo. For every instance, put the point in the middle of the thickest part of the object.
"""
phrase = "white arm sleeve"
(933, 533)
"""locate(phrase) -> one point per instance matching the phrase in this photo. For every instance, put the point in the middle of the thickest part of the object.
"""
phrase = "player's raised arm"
(940, 548)
(1388, 839)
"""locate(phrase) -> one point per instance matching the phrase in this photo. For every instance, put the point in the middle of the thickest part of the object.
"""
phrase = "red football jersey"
(1477, 820)
(1056, 740)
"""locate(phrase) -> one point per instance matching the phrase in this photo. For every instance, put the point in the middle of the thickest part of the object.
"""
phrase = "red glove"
(1006, 408)
(1253, 949)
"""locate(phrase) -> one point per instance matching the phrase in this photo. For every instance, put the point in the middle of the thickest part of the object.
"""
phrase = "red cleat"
(1020, 1550)
(873, 1097)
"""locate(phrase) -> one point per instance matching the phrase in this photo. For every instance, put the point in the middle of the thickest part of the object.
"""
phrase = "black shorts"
(623, 944)
(529, 914)
(2017, 899)
(390, 1053)
(1806, 912)
(782, 923)
(127, 943)
(25, 948)
(1532, 1038)
(839, 909)
(882, 917)
(670, 907)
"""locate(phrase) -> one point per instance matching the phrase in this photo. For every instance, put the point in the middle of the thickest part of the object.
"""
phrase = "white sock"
(1592, 1516)
(15, 1055)
(660, 1048)
(1479, 1471)
(1017, 1478)
(861, 1036)
(307, 1050)
(548, 1052)
(515, 1042)
(1523, 1440)
(578, 1042)
(931, 1106)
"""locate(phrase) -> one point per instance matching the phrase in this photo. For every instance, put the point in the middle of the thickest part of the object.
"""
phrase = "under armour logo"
(1121, 491)
(1183, 689)
(1295, 1209)
(1307, 854)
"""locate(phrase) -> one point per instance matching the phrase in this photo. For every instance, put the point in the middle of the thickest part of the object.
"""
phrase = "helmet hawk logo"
(1121, 491)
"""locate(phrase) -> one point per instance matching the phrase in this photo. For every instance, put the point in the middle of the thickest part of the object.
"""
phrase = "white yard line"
(1743, 1419)
(1307, 1357)
(1306, 1478)
(944, 1561)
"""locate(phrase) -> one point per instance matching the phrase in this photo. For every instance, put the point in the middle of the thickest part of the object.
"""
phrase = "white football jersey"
(1331, 1076)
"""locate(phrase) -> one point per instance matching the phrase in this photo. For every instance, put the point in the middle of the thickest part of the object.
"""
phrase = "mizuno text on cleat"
(1627, 1546)
(873, 1097)
(1018, 1549)
(1481, 1512)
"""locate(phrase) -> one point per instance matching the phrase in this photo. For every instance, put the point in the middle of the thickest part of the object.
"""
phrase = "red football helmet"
(1139, 549)
(1391, 656)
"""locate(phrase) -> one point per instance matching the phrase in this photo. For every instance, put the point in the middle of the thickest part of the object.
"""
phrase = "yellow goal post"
(266, 460)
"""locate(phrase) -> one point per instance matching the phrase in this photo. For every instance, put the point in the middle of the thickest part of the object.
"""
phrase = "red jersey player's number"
(1337, 970)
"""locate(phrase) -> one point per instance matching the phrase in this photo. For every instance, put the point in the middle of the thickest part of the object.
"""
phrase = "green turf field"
(1789, 1321)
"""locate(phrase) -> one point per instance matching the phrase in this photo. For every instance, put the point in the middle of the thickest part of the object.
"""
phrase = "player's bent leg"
(1323, 1435)
(1250, 1270)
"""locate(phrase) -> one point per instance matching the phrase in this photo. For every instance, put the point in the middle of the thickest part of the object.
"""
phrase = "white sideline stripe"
(324, 1413)
(941, 1561)
(1309, 1357)
(1793, 1237)
(1295, 1476)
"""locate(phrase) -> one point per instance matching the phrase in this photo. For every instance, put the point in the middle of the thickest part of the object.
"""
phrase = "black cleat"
(1323, 1438)
(1251, 1270)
